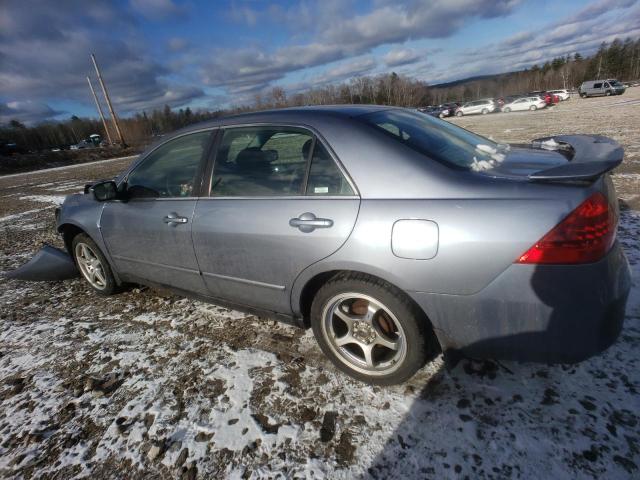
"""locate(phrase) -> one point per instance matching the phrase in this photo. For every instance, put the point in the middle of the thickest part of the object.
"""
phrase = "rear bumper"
(542, 313)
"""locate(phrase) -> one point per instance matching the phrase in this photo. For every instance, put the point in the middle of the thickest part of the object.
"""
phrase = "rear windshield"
(438, 139)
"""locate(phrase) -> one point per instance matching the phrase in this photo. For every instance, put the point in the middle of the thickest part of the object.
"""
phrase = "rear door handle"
(308, 222)
(174, 219)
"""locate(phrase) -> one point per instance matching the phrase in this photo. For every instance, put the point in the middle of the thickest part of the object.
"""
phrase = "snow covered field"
(146, 384)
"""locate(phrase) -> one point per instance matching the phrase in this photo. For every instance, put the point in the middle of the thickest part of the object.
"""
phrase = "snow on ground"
(146, 384)
(167, 386)
(52, 199)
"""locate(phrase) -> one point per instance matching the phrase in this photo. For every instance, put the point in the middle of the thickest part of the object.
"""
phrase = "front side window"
(441, 141)
(261, 161)
(171, 170)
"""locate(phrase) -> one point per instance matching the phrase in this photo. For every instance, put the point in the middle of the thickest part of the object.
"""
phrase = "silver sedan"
(392, 234)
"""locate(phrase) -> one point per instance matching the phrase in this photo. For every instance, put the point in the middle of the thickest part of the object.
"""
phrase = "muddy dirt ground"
(151, 385)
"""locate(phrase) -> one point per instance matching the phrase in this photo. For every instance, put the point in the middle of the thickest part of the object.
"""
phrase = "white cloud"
(157, 9)
(400, 56)
(45, 56)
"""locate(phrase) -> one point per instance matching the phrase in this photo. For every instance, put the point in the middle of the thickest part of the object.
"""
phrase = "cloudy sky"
(212, 54)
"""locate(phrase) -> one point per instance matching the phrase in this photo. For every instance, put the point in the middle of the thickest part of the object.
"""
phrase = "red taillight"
(585, 236)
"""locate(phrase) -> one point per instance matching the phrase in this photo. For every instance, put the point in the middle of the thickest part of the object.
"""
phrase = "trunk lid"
(559, 158)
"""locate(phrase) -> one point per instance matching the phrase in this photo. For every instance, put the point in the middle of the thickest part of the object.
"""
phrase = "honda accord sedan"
(392, 234)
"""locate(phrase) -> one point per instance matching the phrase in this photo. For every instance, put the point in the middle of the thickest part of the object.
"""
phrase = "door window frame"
(316, 137)
(199, 185)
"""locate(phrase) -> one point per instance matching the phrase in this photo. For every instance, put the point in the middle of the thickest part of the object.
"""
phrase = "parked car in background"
(563, 94)
(593, 88)
(452, 107)
(549, 98)
(439, 111)
(525, 103)
(476, 107)
(392, 234)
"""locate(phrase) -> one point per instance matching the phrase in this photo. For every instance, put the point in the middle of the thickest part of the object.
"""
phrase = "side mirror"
(104, 191)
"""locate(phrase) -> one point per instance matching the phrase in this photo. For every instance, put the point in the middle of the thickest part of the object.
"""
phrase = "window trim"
(204, 161)
(315, 135)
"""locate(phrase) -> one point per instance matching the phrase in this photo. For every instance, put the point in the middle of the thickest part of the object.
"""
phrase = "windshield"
(615, 83)
(438, 139)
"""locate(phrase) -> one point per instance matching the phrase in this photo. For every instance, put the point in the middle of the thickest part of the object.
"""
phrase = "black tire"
(419, 341)
(583, 95)
(607, 93)
(110, 285)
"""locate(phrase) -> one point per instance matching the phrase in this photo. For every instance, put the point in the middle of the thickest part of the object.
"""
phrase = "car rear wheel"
(533, 107)
(93, 265)
(583, 95)
(370, 329)
(507, 110)
(458, 114)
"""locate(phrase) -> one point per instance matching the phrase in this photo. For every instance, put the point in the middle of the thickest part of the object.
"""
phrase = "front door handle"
(308, 222)
(174, 219)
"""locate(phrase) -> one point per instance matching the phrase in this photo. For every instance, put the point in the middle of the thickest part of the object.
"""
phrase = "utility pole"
(106, 97)
(104, 122)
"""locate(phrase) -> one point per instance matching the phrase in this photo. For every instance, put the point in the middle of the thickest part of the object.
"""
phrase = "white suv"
(563, 94)
(525, 103)
(477, 106)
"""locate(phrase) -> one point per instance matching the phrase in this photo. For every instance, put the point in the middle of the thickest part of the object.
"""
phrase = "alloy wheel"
(364, 334)
(90, 266)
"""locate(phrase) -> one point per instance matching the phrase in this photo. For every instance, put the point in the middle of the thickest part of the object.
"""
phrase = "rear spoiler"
(589, 157)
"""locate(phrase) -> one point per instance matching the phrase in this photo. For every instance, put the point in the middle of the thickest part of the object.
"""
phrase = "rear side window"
(597, 85)
(171, 170)
(261, 161)
(441, 141)
(325, 178)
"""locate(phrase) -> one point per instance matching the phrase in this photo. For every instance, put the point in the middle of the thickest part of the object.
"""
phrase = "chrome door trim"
(245, 281)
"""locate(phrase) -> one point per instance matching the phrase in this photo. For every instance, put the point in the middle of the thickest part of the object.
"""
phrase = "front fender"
(49, 264)
(83, 212)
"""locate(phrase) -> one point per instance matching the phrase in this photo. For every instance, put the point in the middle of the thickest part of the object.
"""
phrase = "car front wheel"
(93, 265)
(370, 330)
(485, 111)
(458, 114)
(533, 107)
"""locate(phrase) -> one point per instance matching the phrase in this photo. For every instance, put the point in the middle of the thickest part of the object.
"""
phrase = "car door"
(149, 234)
(279, 202)
(472, 107)
(596, 89)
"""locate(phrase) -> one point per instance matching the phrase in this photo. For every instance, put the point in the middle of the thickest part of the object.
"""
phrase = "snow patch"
(52, 199)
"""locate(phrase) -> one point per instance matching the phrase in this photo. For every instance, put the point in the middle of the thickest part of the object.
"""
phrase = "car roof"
(309, 115)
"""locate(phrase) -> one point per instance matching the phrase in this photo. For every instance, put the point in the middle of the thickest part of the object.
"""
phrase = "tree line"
(620, 59)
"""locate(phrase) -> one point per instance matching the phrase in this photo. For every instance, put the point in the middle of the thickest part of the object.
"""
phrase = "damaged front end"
(50, 264)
